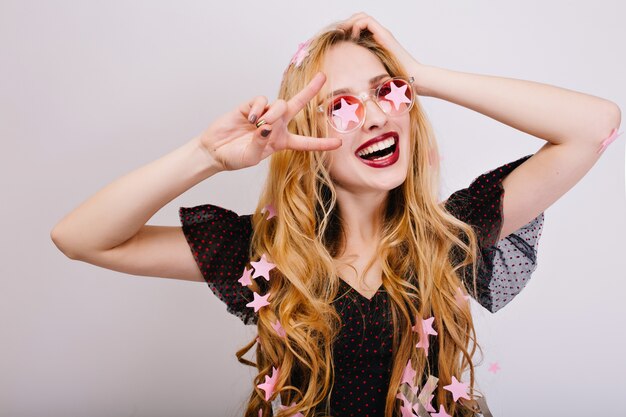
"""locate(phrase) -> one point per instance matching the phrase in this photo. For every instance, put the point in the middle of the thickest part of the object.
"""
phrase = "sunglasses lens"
(395, 97)
(345, 113)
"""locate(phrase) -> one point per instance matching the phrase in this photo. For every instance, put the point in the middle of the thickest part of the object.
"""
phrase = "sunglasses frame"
(362, 99)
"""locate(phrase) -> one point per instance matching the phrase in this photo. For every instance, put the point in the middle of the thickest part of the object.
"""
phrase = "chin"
(389, 183)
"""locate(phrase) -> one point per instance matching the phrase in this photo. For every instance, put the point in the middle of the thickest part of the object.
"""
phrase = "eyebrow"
(347, 90)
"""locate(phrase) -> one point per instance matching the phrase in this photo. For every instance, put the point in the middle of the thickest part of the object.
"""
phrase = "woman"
(353, 272)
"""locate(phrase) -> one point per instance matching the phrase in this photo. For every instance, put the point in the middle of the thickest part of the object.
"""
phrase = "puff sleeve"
(220, 241)
(504, 266)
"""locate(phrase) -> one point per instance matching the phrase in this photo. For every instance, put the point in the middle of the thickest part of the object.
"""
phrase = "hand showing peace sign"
(234, 142)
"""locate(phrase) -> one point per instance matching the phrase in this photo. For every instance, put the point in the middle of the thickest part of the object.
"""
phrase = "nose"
(374, 115)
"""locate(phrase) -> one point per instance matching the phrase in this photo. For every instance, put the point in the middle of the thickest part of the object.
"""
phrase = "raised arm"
(109, 229)
(577, 126)
(574, 124)
(115, 216)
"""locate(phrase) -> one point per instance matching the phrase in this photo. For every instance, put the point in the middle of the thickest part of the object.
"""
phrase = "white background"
(90, 91)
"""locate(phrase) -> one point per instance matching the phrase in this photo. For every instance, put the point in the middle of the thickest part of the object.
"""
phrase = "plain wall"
(93, 90)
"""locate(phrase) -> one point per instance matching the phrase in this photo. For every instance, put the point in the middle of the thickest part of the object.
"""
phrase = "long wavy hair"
(424, 251)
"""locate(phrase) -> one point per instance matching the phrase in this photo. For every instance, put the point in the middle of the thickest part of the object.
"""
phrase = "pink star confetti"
(423, 343)
(424, 328)
(245, 278)
(460, 298)
(260, 412)
(270, 209)
(298, 414)
(346, 114)
(494, 367)
(269, 384)
(409, 374)
(458, 389)
(441, 413)
(301, 53)
(606, 142)
(259, 301)
(398, 95)
(279, 328)
(262, 268)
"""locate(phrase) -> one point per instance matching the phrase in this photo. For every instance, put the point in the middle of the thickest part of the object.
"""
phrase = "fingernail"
(252, 118)
(265, 132)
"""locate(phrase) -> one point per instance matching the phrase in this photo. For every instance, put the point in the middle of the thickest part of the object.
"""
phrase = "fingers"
(360, 21)
(274, 112)
(369, 23)
(358, 26)
(261, 135)
(348, 23)
(260, 140)
(297, 102)
(289, 109)
(257, 108)
(253, 107)
(308, 143)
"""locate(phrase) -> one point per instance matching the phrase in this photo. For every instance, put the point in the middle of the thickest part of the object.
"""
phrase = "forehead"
(348, 65)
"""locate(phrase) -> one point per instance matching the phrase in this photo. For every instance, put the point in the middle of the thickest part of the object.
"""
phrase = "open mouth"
(382, 153)
(386, 148)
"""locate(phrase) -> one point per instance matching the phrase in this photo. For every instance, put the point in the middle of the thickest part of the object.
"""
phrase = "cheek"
(407, 122)
(339, 159)
(339, 154)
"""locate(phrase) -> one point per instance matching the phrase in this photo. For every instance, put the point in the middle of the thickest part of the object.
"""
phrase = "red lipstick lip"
(377, 139)
(382, 163)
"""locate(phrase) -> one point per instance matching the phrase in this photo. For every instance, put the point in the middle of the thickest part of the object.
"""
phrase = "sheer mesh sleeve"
(220, 240)
(504, 266)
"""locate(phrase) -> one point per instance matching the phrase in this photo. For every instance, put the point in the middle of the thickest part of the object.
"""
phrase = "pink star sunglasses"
(346, 112)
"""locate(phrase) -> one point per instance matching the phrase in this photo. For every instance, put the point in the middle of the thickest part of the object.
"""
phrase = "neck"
(361, 216)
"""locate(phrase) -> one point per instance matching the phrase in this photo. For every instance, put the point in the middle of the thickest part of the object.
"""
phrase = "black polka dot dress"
(363, 354)
(220, 241)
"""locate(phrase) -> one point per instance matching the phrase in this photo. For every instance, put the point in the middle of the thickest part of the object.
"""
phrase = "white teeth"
(381, 157)
(377, 147)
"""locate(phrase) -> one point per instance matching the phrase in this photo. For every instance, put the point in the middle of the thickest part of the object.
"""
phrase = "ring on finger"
(260, 123)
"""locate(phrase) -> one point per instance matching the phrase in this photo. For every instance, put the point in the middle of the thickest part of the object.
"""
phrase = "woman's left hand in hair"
(361, 21)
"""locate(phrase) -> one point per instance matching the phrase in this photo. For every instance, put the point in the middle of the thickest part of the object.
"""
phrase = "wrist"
(203, 162)
(422, 73)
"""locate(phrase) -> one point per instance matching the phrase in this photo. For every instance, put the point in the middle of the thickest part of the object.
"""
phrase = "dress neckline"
(351, 288)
